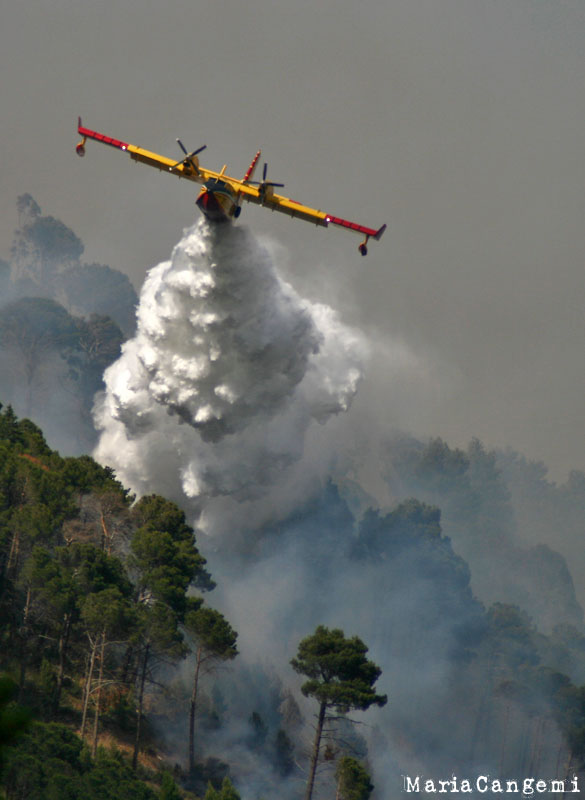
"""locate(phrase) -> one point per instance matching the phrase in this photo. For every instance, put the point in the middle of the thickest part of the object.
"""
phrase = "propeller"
(264, 183)
(188, 155)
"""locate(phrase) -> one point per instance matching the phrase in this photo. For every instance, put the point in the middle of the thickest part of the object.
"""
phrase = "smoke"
(228, 400)
(212, 400)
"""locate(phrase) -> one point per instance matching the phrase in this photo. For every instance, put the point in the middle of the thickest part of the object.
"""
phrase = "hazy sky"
(458, 122)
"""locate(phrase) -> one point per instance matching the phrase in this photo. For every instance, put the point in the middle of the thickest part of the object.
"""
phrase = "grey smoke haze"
(216, 402)
(458, 123)
(223, 401)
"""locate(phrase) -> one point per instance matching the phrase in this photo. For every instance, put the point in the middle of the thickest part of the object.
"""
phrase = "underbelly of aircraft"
(217, 205)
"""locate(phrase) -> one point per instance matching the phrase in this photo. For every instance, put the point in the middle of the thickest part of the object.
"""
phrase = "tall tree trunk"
(63, 642)
(106, 543)
(28, 395)
(31, 363)
(540, 730)
(504, 737)
(96, 717)
(559, 754)
(568, 768)
(482, 714)
(525, 746)
(140, 705)
(23, 646)
(536, 724)
(315, 755)
(88, 688)
(193, 709)
(125, 668)
(13, 552)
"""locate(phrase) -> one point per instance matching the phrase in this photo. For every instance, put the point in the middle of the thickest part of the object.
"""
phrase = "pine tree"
(215, 640)
(340, 678)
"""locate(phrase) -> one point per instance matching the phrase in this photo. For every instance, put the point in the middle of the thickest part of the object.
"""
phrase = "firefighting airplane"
(221, 197)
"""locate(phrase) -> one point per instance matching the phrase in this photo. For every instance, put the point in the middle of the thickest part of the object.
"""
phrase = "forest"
(127, 669)
(62, 322)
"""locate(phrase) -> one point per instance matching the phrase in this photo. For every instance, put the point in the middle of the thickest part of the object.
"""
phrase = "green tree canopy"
(165, 554)
(13, 719)
(50, 762)
(212, 632)
(215, 640)
(169, 789)
(353, 781)
(340, 677)
(227, 792)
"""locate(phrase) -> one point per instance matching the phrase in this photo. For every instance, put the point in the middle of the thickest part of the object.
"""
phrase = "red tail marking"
(248, 174)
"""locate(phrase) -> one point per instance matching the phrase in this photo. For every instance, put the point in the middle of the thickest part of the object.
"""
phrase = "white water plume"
(229, 369)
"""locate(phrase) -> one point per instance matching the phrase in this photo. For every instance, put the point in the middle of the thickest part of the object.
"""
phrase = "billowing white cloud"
(229, 369)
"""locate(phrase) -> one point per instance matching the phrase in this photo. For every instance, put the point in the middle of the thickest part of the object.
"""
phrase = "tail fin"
(249, 174)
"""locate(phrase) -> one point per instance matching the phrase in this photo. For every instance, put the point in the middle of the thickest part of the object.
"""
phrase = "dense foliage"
(110, 646)
(353, 781)
(339, 676)
(93, 605)
(498, 509)
(50, 762)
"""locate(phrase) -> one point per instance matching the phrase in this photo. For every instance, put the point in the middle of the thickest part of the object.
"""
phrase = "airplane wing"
(262, 194)
(285, 205)
(186, 168)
